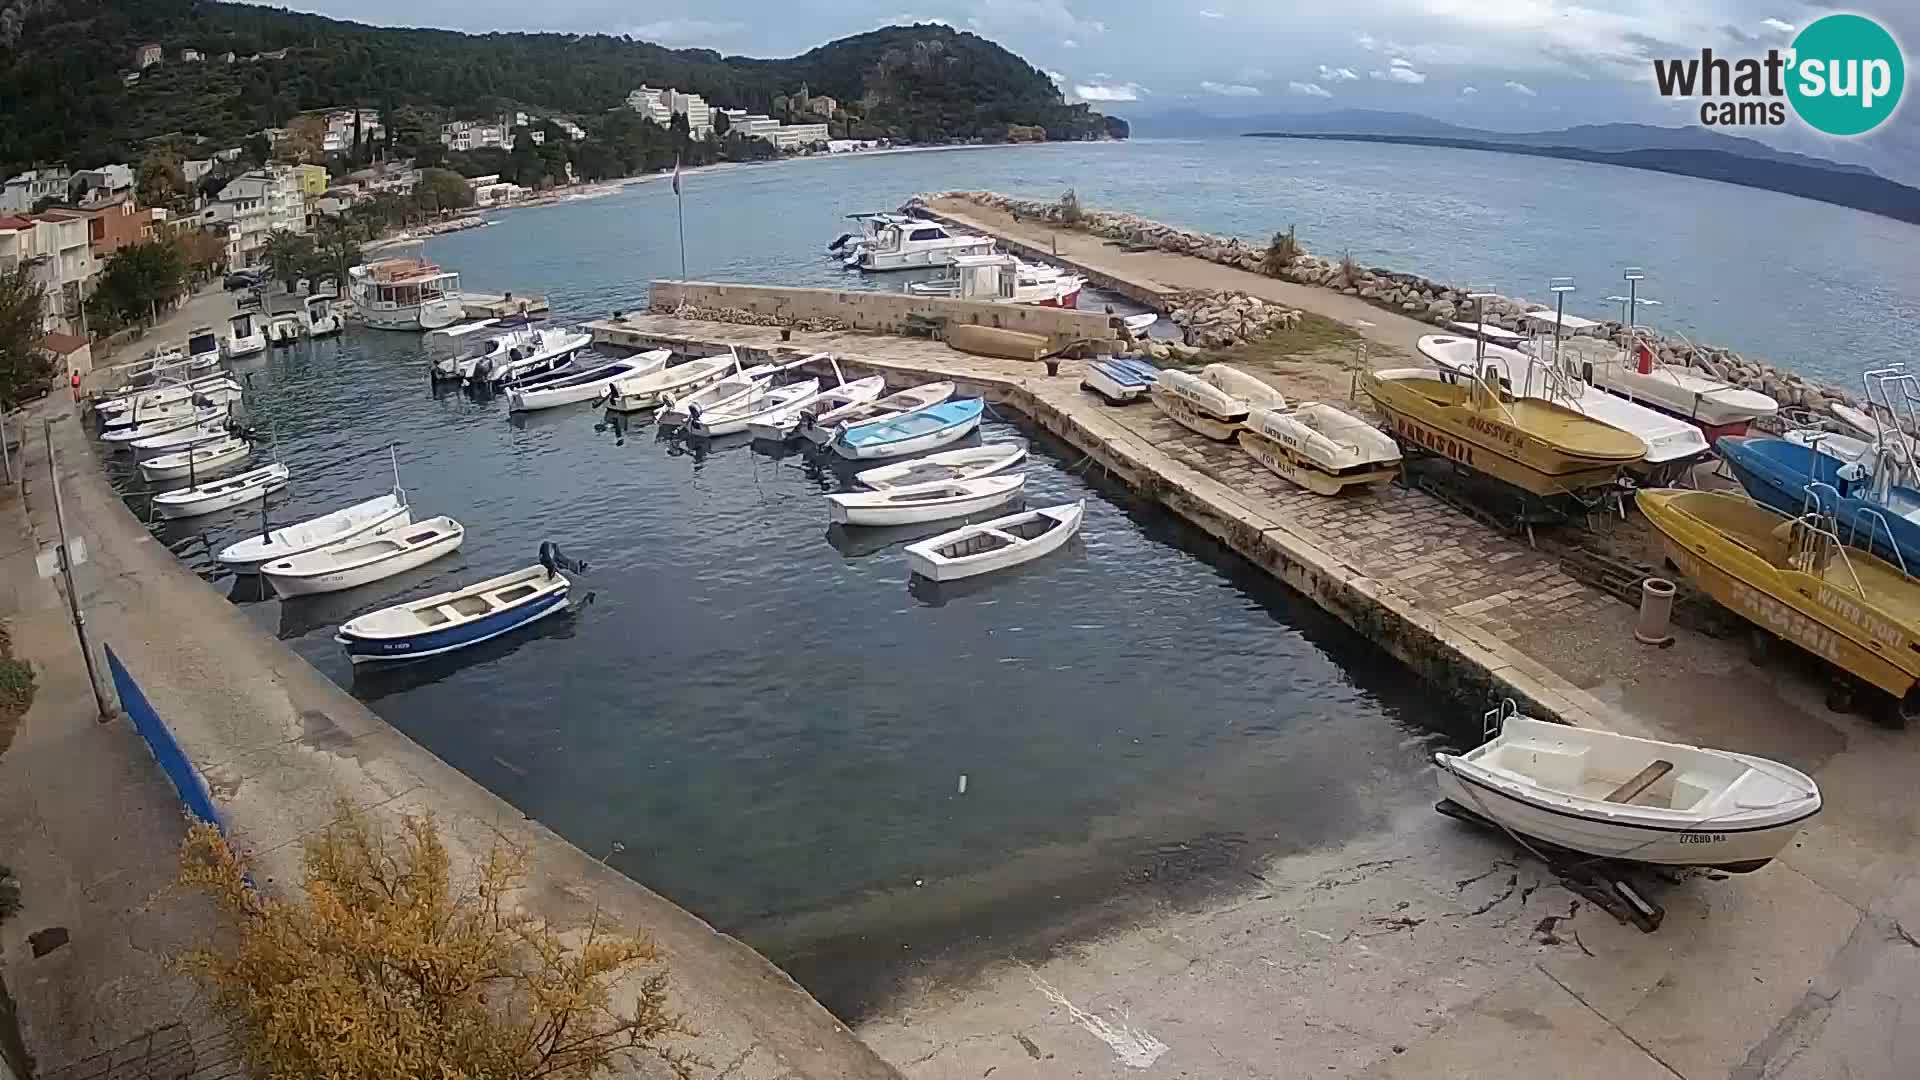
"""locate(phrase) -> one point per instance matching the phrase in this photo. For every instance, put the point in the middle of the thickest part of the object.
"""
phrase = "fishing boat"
(588, 385)
(134, 433)
(285, 328)
(916, 504)
(649, 391)
(1003, 279)
(820, 428)
(780, 424)
(1120, 380)
(967, 463)
(915, 245)
(1714, 405)
(1320, 447)
(731, 420)
(540, 351)
(999, 544)
(336, 527)
(910, 433)
(454, 620)
(393, 548)
(405, 292)
(1535, 445)
(209, 459)
(211, 430)
(743, 387)
(1874, 510)
(1137, 324)
(321, 321)
(1637, 800)
(1792, 577)
(215, 495)
(203, 349)
(1216, 401)
(245, 335)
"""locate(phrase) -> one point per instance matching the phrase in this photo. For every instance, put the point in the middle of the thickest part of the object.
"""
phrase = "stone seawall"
(871, 312)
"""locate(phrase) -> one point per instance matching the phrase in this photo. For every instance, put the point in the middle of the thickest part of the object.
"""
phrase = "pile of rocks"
(1212, 320)
(742, 317)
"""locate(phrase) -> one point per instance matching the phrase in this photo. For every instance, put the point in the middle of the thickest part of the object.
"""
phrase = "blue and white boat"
(455, 620)
(1119, 380)
(1872, 511)
(910, 433)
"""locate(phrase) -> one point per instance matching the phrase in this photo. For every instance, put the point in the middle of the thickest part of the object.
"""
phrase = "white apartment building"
(58, 251)
(653, 104)
(22, 191)
(339, 136)
(754, 125)
(695, 108)
(463, 135)
(797, 136)
(253, 206)
(574, 131)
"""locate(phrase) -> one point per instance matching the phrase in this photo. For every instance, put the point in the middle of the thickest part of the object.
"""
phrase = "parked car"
(242, 279)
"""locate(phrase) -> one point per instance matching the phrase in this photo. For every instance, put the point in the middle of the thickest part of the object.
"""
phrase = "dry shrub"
(1282, 250)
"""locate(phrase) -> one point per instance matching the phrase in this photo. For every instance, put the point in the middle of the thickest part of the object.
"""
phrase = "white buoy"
(963, 783)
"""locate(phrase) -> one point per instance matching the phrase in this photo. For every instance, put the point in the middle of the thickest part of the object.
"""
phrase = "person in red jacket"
(75, 379)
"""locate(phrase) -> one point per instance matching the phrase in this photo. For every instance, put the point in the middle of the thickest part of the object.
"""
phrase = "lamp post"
(1559, 287)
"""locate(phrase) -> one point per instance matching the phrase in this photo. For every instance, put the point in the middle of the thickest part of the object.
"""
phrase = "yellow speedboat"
(1793, 578)
(1531, 443)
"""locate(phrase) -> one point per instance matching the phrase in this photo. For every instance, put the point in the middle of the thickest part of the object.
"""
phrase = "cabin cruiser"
(203, 349)
(916, 245)
(320, 318)
(405, 293)
(245, 336)
(519, 351)
(1003, 279)
(848, 244)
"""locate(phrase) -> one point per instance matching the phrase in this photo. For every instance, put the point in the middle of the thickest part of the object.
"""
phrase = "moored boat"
(541, 350)
(967, 463)
(336, 527)
(405, 292)
(743, 387)
(285, 328)
(734, 419)
(912, 244)
(134, 433)
(319, 317)
(916, 504)
(210, 430)
(1320, 447)
(910, 433)
(649, 391)
(212, 390)
(209, 459)
(216, 495)
(820, 428)
(203, 349)
(995, 545)
(1120, 380)
(245, 335)
(1003, 279)
(780, 424)
(454, 620)
(588, 385)
(1216, 401)
(393, 548)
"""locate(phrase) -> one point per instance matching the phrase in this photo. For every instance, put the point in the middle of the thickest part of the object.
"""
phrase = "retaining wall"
(186, 780)
(879, 312)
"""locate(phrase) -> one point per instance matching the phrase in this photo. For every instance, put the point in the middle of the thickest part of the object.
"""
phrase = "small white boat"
(913, 245)
(741, 388)
(1717, 406)
(216, 390)
(209, 459)
(910, 433)
(285, 328)
(152, 414)
(1135, 324)
(780, 424)
(1621, 797)
(215, 495)
(1215, 402)
(1320, 447)
(918, 504)
(967, 463)
(337, 527)
(245, 335)
(545, 350)
(1003, 279)
(135, 433)
(648, 391)
(203, 349)
(821, 428)
(455, 620)
(394, 548)
(588, 385)
(995, 545)
(713, 423)
(1120, 380)
(209, 431)
(319, 315)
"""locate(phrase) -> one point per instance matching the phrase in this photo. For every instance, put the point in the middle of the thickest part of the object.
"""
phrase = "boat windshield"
(203, 342)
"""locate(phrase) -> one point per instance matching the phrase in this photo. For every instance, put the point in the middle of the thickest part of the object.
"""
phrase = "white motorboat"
(1003, 279)
(588, 385)
(320, 318)
(1215, 402)
(405, 292)
(209, 431)
(544, 350)
(337, 527)
(203, 349)
(1715, 405)
(209, 459)
(1137, 324)
(393, 548)
(246, 335)
(215, 495)
(968, 463)
(151, 415)
(917, 504)
(1120, 380)
(780, 424)
(848, 245)
(1620, 797)
(988, 546)
(134, 433)
(915, 245)
(743, 387)
(649, 391)
(214, 390)
(285, 328)
(1671, 442)
(457, 619)
(821, 428)
(715, 422)
(1320, 447)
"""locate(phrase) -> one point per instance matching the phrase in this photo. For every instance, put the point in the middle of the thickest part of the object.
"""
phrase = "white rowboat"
(215, 495)
(337, 527)
(647, 391)
(162, 426)
(995, 545)
(780, 424)
(398, 547)
(588, 385)
(821, 428)
(207, 460)
(713, 423)
(921, 503)
(969, 463)
(740, 388)
(1214, 402)
(180, 439)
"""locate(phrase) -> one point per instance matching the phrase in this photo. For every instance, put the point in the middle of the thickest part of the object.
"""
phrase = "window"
(927, 234)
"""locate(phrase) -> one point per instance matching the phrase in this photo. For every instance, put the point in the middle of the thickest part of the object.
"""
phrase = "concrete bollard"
(1656, 612)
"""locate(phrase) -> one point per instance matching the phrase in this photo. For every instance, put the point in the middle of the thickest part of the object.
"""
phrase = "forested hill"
(65, 99)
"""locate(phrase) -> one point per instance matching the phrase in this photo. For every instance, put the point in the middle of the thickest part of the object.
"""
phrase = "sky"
(1503, 64)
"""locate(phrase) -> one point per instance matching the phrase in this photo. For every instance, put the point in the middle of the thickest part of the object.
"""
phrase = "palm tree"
(290, 255)
(338, 248)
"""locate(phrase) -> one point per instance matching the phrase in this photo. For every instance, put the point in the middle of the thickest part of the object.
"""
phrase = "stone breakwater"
(742, 317)
(1406, 294)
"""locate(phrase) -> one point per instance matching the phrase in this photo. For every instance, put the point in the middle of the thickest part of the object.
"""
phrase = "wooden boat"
(588, 385)
(713, 423)
(1216, 401)
(1639, 800)
(338, 527)
(917, 504)
(910, 433)
(1120, 380)
(397, 547)
(1320, 447)
(217, 390)
(209, 459)
(968, 463)
(648, 391)
(780, 424)
(136, 432)
(820, 429)
(742, 388)
(215, 495)
(995, 545)
(1532, 444)
(454, 620)
(211, 431)
(1793, 578)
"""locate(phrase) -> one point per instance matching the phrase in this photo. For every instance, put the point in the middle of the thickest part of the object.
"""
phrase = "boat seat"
(1640, 782)
(1556, 768)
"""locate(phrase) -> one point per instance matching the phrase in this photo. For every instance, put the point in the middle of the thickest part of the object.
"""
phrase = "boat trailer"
(1603, 882)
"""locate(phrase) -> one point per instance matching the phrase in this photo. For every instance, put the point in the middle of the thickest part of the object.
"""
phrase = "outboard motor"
(840, 243)
(554, 561)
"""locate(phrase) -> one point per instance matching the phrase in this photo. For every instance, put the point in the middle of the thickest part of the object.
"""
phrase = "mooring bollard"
(1656, 612)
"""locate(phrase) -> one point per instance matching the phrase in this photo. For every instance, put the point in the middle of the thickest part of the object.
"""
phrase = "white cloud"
(1307, 89)
(1094, 91)
(1058, 78)
(1049, 16)
(1069, 44)
(1334, 74)
(1521, 88)
(1230, 89)
(1099, 76)
(1255, 74)
(684, 31)
(1469, 91)
(1207, 14)
(1777, 26)
(1400, 71)
(1367, 42)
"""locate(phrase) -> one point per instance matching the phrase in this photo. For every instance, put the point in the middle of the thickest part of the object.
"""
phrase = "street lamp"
(1559, 287)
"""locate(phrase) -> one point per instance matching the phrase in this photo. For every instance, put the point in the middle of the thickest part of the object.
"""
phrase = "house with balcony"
(148, 55)
(23, 191)
(103, 186)
(118, 225)
(464, 135)
(695, 108)
(791, 137)
(53, 246)
(252, 207)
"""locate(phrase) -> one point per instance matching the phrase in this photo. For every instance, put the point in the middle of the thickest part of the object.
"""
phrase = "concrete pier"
(501, 305)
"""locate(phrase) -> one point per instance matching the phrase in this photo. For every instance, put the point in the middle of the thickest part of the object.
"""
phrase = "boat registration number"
(1703, 838)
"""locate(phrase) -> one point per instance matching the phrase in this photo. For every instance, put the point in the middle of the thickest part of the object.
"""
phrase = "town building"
(695, 108)
(574, 131)
(103, 186)
(54, 247)
(23, 191)
(819, 105)
(797, 136)
(147, 55)
(653, 104)
(72, 353)
(121, 224)
(338, 138)
(754, 125)
(497, 193)
(464, 135)
(252, 207)
(196, 170)
(311, 178)
(191, 56)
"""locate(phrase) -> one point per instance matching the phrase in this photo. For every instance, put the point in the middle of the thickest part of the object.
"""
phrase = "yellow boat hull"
(1733, 550)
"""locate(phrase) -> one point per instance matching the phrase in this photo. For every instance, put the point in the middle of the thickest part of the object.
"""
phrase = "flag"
(676, 176)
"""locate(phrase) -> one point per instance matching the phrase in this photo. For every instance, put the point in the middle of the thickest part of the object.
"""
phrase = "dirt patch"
(16, 690)
(1315, 360)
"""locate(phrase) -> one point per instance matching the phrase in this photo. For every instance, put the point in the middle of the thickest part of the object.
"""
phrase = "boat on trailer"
(1120, 380)
(917, 504)
(1319, 447)
(1215, 402)
(336, 527)
(454, 620)
(392, 549)
(999, 544)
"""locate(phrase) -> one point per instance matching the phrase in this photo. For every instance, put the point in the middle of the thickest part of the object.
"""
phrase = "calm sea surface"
(758, 717)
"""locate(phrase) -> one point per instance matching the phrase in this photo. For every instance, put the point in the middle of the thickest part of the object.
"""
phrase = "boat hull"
(876, 514)
(654, 396)
(207, 466)
(1781, 482)
(435, 315)
(882, 261)
(1119, 382)
(361, 650)
(239, 557)
(915, 444)
(1301, 470)
(175, 511)
(287, 586)
(1189, 415)
(934, 569)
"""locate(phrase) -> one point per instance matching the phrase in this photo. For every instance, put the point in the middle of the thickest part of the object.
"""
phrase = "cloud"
(1307, 89)
(1099, 76)
(1521, 88)
(1334, 74)
(1052, 16)
(1058, 79)
(1469, 91)
(1094, 91)
(1777, 26)
(1069, 44)
(1401, 71)
(1230, 89)
(1367, 42)
(684, 31)
(1207, 14)
(1255, 74)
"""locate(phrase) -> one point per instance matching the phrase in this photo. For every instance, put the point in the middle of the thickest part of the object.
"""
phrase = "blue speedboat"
(1792, 478)
(910, 433)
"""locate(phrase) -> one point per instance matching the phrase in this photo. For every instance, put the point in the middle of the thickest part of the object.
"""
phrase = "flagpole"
(680, 205)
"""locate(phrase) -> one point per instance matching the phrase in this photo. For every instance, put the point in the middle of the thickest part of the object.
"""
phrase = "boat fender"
(553, 560)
